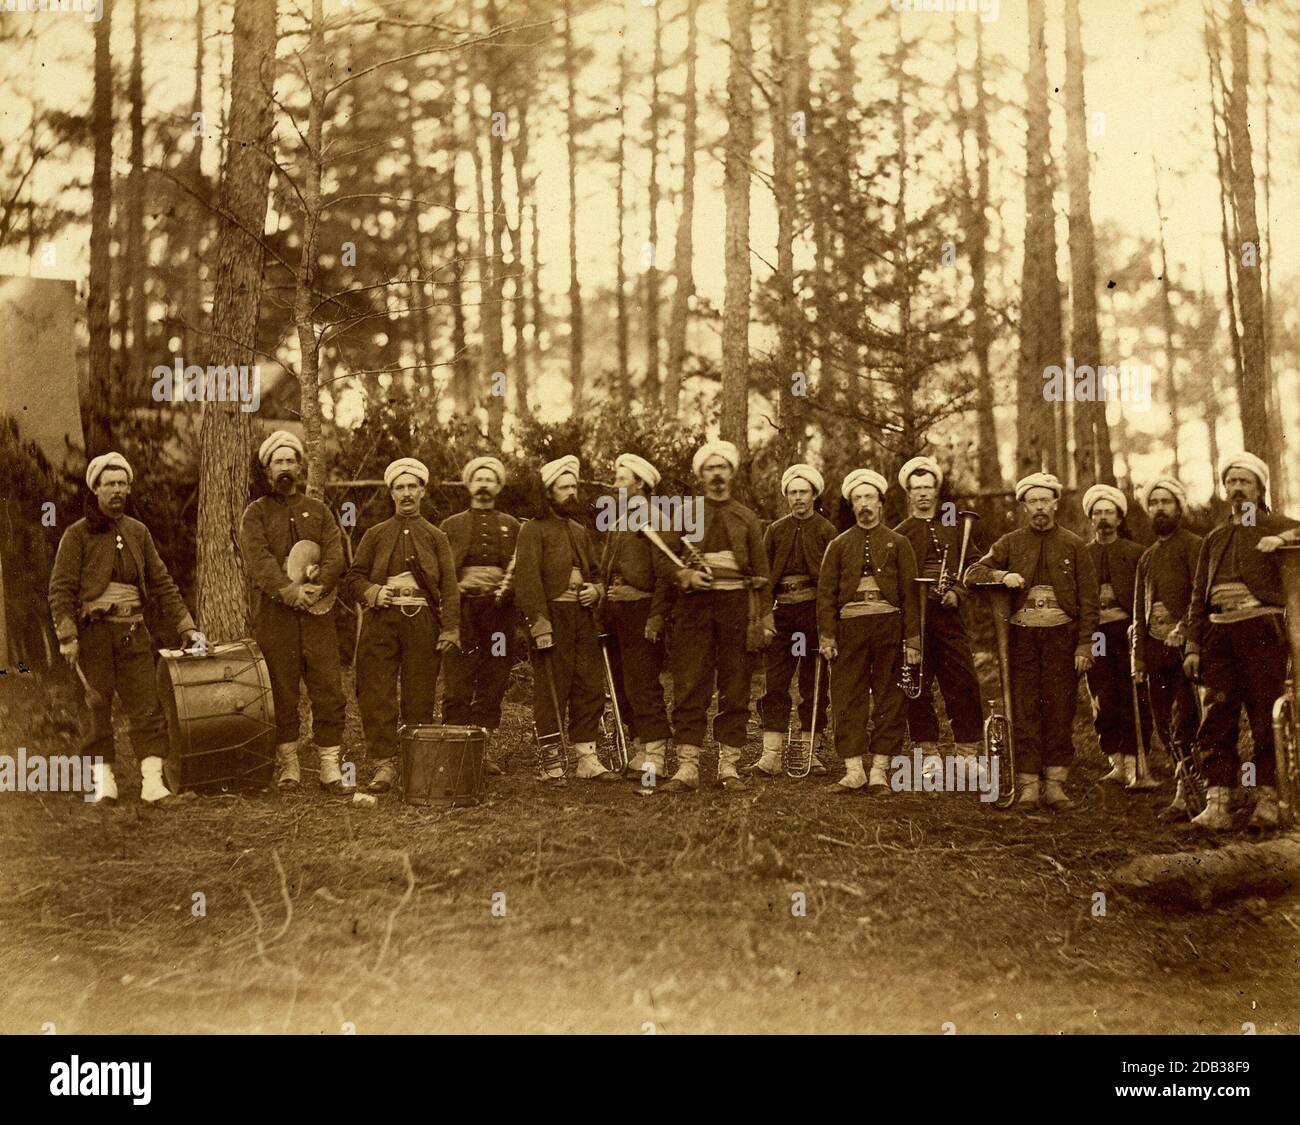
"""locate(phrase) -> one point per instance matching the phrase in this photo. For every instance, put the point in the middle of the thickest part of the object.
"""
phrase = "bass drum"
(442, 766)
(220, 718)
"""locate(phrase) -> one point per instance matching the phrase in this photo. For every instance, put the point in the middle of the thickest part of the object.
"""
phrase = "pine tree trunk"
(990, 466)
(571, 143)
(683, 247)
(520, 274)
(226, 440)
(909, 441)
(1255, 389)
(137, 253)
(1040, 303)
(97, 410)
(1092, 460)
(305, 276)
(622, 379)
(460, 369)
(788, 51)
(492, 337)
(734, 423)
(651, 392)
(199, 221)
(1167, 317)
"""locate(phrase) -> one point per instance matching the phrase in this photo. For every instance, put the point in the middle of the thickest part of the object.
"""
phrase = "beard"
(1162, 524)
(284, 483)
(569, 509)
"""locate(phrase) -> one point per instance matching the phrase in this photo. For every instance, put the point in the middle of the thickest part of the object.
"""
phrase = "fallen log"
(1200, 879)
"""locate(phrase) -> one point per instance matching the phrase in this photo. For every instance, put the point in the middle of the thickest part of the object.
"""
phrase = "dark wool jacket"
(544, 562)
(1124, 556)
(779, 538)
(458, 527)
(744, 533)
(633, 556)
(918, 535)
(265, 538)
(83, 567)
(1261, 573)
(1067, 566)
(1164, 574)
(382, 553)
(841, 571)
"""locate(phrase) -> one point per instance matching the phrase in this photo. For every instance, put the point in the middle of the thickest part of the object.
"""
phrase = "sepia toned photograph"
(650, 517)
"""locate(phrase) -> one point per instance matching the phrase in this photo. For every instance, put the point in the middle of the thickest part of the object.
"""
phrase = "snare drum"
(220, 718)
(442, 766)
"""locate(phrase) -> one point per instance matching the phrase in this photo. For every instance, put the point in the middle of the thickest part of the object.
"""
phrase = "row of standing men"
(712, 608)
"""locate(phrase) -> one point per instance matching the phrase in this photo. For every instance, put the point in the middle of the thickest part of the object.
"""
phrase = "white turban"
(1250, 463)
(920, 465)
(1104, 492)
(1169, 484)
(863, 476)
(723, 449)
(805, 472)
(1037, 480)
(278, 440)
(553, 470)
(467, 473)
(639, 467)
(107, 461)
(417, 469)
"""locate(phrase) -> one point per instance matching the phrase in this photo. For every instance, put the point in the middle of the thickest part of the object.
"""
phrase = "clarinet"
(507, 579)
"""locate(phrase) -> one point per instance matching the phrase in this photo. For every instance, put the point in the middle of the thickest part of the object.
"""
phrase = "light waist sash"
(1041, 609)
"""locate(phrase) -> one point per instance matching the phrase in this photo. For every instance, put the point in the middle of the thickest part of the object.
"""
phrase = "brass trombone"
(1286, 711)
(999, 730)
(552, 750)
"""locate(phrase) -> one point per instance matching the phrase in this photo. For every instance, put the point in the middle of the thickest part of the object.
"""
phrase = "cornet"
(913, 674)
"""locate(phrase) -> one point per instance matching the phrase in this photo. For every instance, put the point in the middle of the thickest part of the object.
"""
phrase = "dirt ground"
(621, 913)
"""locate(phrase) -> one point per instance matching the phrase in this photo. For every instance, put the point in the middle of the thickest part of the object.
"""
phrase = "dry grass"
(620, 912)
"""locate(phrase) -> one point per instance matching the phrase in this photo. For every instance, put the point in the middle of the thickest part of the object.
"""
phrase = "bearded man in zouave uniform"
(948, 661)
(1115, 560)
(1054, 616)
(1236, 642)
(296, 644)
(635, 606)
(868, 622)
(721, 621)
(482, 545)
(105, 571)
(404, 577)
(795, 545)
(558, 591)
(1162, 592)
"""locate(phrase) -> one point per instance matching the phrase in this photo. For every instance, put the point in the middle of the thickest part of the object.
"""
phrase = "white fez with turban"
(803, 472)
(1104, 492)
(107, 461)
(417, 469)
(278, 440)
(920, 465)
(1170, 484)
(553, 470)
(1037, 480)
(1247, 461)
(473, 466)
(863, 476)
(638, 467)
(724, 449)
